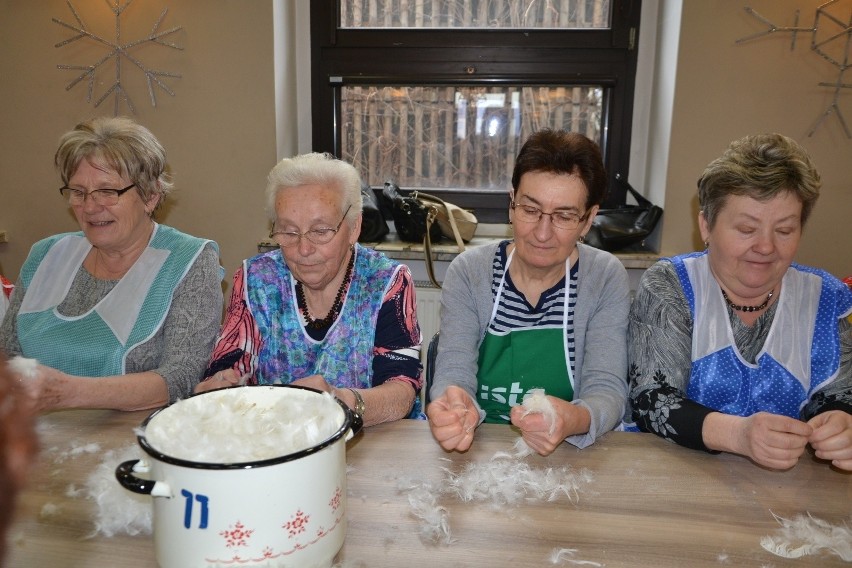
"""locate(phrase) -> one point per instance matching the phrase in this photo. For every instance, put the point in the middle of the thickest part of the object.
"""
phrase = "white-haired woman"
(321, 310)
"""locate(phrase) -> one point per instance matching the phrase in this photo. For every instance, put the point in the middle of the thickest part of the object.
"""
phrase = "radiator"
(428, 312)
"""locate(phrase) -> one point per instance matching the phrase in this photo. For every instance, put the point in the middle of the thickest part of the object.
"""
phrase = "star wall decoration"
(118, 52)
(831, 38)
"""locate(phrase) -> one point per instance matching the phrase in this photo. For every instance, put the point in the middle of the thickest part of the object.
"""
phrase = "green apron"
(514, 362)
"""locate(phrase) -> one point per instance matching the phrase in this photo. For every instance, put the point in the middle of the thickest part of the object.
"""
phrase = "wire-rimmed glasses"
(567, 220)
(105, 197)
(318, 236)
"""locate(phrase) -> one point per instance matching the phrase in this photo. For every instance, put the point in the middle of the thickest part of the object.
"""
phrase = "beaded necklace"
(748, 309)
(323, 323)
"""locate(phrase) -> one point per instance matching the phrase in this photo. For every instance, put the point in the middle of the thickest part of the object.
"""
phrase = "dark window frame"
(480, 57)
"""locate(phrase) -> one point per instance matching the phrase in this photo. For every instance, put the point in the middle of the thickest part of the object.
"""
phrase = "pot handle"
(356, 422)
(124, 473)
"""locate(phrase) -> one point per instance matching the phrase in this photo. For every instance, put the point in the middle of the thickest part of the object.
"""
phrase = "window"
(440, 95)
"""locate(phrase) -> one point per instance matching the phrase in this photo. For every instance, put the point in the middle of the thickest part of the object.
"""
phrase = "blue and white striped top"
(514, 312)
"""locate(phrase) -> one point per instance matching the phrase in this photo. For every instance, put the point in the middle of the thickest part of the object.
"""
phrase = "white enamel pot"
(288, 511)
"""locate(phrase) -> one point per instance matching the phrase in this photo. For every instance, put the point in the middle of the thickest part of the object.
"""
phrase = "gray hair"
(128, 148)
(316, 169)
(761, 166)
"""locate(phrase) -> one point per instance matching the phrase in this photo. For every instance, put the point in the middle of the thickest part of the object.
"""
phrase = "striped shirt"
(515, 312)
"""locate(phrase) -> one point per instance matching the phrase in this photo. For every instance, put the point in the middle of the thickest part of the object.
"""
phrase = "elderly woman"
(322, 311)
(539, 311)
(736, 348)
(123, 314)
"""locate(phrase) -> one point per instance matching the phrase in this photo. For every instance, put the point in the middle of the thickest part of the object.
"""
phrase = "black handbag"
(625, 226)
(374, 228)
(409, 216)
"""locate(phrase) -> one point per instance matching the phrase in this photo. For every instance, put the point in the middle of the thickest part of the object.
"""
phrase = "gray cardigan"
(600, 332)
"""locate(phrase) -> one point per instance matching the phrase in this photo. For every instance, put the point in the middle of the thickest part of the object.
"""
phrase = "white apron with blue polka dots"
(800, 356)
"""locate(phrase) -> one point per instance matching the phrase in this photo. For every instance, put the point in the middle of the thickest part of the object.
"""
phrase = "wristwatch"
(360, 407)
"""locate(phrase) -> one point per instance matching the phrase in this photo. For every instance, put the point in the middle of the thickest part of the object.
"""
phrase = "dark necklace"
(323, 323)
(748, 309)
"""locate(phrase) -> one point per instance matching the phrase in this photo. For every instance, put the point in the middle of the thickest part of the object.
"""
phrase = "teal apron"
(514, 362)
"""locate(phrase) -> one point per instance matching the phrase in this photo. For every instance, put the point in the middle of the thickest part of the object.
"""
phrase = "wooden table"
(649, 503)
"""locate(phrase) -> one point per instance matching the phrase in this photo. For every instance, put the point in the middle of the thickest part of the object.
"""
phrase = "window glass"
(441, 94)
(475, 14)
(445, 136)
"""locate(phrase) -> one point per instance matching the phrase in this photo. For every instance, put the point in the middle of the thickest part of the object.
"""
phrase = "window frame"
(393, 56)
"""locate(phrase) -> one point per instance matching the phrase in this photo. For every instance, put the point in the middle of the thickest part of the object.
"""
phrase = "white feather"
(118, 510)
(563, 555)
(803, 535)
(22, 366)
(232, 429)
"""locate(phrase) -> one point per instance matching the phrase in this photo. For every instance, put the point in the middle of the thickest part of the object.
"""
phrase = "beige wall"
(725, 90)
(219, 129)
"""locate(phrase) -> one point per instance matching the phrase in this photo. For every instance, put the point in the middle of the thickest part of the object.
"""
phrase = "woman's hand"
(317, 382)
(544, 437)
(770, 440)
(222, 379)
(773, 440)
(453, 417)
(51, 389)
(44, 387)
(832, 437)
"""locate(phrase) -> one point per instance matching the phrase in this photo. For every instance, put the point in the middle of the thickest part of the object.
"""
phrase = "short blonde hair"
(128, 148)
(761, 166)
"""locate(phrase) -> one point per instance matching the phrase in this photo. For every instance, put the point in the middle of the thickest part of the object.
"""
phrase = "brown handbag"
(455, 222)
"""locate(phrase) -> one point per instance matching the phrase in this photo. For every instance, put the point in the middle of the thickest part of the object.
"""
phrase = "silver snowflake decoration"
(118, 52)
(831, 38)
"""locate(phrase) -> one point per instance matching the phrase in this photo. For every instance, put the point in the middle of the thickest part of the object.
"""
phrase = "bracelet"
(360, 407)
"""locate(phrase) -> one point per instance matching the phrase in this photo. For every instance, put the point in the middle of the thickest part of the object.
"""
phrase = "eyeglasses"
(560, 219)
(99, 196)
(320, 236)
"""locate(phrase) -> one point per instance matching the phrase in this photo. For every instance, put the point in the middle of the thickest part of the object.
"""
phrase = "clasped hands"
(453, 418)
(778, 441)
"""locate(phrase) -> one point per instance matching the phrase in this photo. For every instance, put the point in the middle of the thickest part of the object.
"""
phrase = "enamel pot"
(288, 511)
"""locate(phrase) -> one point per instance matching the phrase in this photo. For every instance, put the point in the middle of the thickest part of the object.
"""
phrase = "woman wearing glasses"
(541, 311)
(322, 311)
(127, 300)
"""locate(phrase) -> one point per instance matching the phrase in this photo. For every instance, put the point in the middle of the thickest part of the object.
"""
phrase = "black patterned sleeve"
(838, 394)
(659, 354)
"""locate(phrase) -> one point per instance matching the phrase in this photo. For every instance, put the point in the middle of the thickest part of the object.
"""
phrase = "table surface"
(646, 503)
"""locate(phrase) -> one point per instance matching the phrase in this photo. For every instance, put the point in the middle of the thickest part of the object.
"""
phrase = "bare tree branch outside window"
(440, 95)
(475, 14)
(456, 137)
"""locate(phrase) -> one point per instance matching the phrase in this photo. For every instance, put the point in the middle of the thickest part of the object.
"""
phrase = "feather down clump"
(535, 401)
(803, 535)
(434, 518)
(235, 428)
(118, 510)
(507, 481)
(23, 366)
